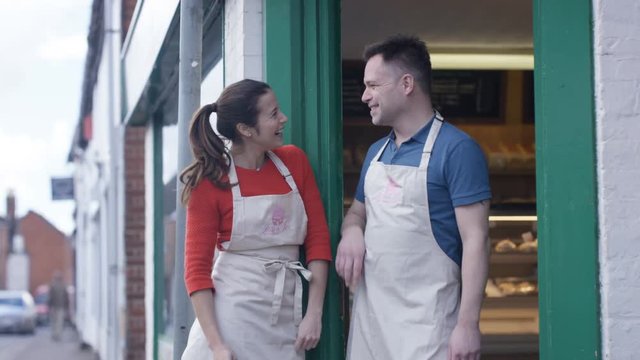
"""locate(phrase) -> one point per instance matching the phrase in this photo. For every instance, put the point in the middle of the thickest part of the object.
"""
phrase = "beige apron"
(258, 289)
(406, 306)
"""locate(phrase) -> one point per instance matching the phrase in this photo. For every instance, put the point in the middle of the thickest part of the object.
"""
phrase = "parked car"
(41, 299)
(17, 311)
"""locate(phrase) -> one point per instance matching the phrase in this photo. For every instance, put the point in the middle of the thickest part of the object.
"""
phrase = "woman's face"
(270, 125)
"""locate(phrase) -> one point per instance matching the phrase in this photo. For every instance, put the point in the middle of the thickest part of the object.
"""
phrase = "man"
(423, 198)
(58, 305)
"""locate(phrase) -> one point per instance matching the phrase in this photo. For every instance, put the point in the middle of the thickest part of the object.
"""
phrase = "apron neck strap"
(438, 120)
(379, 154)
(233, 180)
(283, 170)
(233, 175)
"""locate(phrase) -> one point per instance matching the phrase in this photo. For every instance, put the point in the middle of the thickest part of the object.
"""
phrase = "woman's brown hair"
(237, 104)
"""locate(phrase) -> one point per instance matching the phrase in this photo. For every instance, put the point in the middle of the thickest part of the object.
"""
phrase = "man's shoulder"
(451, 137)
(452, 133)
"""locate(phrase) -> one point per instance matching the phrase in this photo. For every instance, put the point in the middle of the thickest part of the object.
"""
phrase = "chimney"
(11, 217)
(11, 206)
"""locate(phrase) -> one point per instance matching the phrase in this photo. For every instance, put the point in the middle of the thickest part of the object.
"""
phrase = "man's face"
(383, 91)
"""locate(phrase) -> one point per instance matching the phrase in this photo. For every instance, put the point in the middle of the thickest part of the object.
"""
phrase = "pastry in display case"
(510, 308)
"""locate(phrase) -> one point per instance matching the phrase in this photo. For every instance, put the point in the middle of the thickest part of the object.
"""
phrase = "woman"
(256, 204)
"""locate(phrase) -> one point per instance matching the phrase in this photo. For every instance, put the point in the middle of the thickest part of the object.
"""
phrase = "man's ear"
(244, 130)
(408, 83)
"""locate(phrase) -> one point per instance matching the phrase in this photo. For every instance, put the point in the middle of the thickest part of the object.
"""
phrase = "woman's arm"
(203, 306)
(311, 325)
(203, 223)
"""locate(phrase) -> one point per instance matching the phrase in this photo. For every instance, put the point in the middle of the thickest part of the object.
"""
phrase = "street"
(40, 346)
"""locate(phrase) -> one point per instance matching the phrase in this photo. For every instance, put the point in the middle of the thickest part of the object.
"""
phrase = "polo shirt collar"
(420, 136)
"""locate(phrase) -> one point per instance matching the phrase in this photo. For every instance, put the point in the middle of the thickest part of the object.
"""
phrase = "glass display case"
(509, 318)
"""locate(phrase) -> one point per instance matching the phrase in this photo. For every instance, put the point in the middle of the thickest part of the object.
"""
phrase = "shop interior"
(482, 56)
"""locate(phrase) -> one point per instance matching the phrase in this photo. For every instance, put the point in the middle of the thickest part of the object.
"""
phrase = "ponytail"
(237, 104)
(211, 159)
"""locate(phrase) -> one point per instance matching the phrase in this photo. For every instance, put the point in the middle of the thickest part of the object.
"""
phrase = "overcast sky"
(42, 47)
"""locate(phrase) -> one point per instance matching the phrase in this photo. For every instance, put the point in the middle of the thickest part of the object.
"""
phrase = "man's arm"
(474, 227)
(350, 255)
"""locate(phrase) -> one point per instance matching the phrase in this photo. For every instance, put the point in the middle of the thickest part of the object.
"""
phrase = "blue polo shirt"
(457, 175)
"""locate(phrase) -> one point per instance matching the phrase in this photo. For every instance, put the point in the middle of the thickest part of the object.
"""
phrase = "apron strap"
(283, 170)
(379, 154)
(281, 267)
(233, 179)
(438, 120)
(428, 145)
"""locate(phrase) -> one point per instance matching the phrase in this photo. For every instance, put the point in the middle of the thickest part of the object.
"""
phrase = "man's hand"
(464, 343)
(349, 259)
(350, 254)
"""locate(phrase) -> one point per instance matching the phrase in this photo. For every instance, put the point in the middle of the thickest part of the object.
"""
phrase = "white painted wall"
(87, 179)
(98, 236)
(243, 40)
(149, 246)
(617, 84)
(147, 34)
(18, 267)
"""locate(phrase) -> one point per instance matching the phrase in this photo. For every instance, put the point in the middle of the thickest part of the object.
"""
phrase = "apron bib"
(258, 289)
(406, 305)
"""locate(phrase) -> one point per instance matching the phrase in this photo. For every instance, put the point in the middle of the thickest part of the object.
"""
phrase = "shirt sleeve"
(317, 245)
(203, 223)
(466, 174)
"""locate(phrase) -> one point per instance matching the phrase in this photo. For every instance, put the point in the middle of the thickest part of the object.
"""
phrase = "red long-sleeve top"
(210, 213)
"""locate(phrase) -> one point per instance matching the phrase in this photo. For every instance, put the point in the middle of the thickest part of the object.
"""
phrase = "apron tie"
(281, 267)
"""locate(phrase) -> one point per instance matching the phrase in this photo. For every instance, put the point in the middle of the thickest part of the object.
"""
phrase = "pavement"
(41, 346)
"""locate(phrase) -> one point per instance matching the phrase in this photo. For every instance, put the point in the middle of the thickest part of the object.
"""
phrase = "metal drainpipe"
(112, 37)
(190, 78)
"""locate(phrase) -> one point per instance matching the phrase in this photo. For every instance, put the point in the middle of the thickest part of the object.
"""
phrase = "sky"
(42, 52)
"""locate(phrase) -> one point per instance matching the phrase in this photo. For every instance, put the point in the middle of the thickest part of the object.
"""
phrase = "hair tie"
(214, 107)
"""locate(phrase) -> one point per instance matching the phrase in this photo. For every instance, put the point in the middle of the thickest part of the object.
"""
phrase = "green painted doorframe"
(302, 64)
(566, 180)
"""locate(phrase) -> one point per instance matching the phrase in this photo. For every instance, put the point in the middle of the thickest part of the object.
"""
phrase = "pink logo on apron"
(390, 194)
(278, 222)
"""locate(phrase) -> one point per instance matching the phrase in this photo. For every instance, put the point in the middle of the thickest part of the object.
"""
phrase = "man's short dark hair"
(409, 52)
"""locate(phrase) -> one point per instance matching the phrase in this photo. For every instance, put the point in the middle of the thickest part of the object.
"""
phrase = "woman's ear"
(244, 130)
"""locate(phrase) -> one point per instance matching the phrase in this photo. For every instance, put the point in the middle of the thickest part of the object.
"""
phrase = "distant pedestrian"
(58, 305)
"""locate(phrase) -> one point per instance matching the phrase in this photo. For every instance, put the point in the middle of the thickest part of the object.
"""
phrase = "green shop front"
(517, 76)
(542, 301)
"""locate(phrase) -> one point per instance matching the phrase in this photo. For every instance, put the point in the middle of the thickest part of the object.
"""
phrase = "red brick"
(135, 203)
(48, 248)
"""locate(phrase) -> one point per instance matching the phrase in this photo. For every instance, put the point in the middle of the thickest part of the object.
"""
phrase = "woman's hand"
(309, 332)
(222, 352)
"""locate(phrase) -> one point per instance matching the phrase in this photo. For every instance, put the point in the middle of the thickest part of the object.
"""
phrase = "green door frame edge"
(566, 180)
(302, 65)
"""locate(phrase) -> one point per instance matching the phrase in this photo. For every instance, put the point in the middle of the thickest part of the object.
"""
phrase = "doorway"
(482, 84)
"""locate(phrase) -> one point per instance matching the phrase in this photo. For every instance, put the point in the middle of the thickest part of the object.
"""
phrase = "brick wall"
(617, 80)
(134, 240)
(49, 250)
